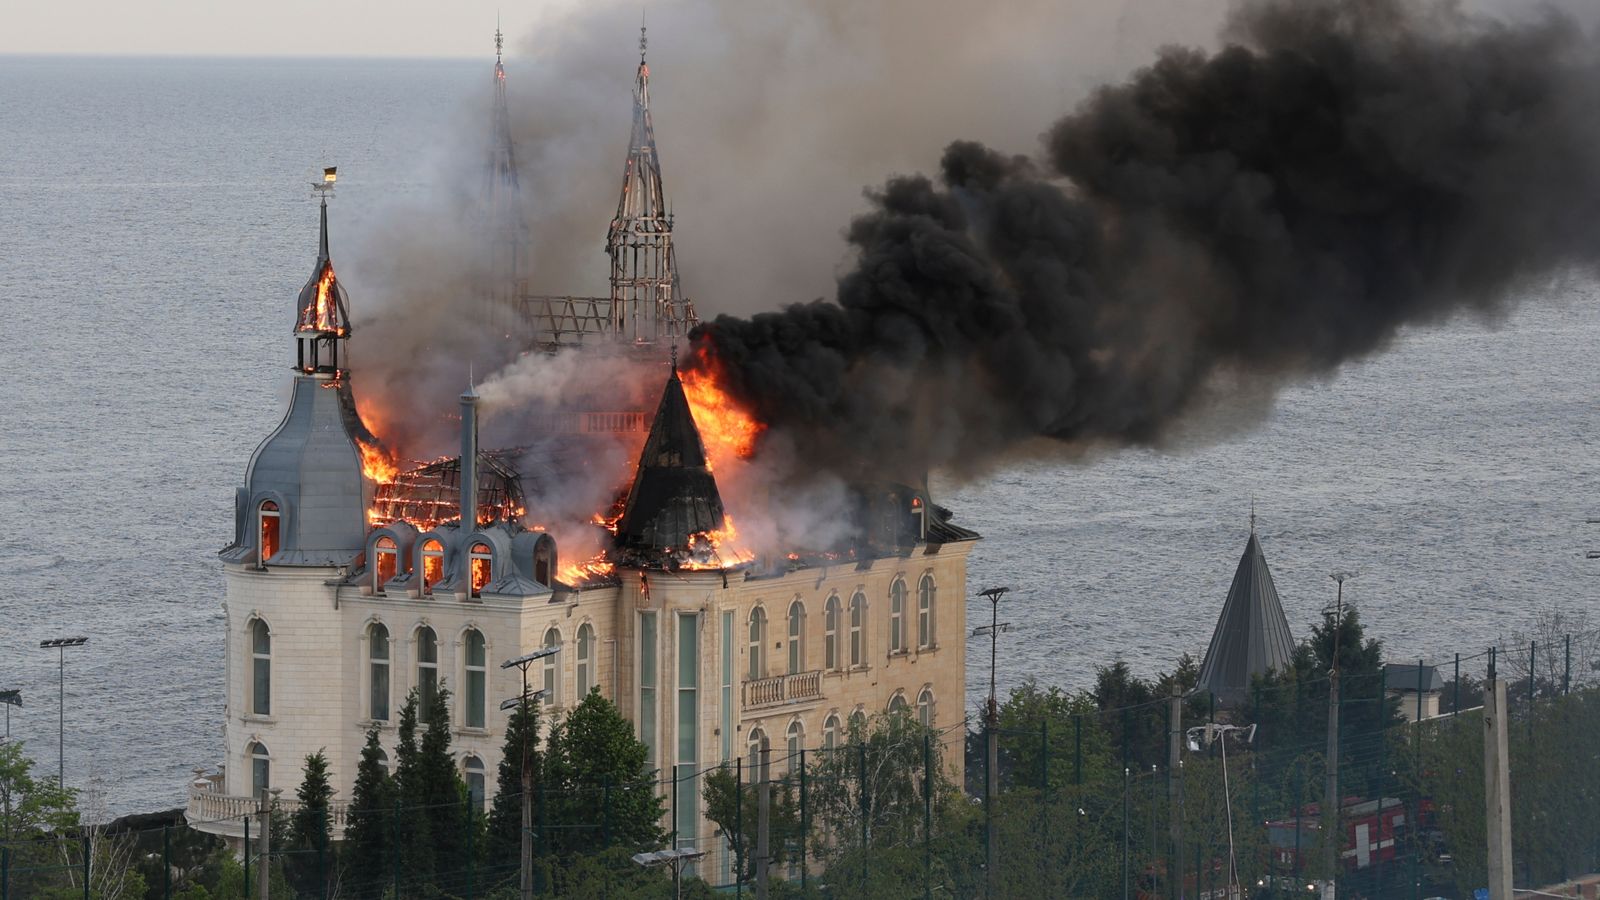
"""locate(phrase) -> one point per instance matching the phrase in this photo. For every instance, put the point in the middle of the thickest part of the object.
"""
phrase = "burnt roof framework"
(1252, 634)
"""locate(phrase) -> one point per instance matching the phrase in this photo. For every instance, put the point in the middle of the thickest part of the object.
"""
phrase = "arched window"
(897, 704)
(795, 739)
(797, 637)
(897, 616)
(758, 743)
(926, 595)
(925, 707)
(858, 627)
(830, 732)
(432, 565)
(261, 668)
(270, 536)
(477, 678)
(858, 726)
(544, 553)
(427, 670)
(758, 643)
(260, 768)
(830, 637)
(585, 660)
(475, 782)
(552, 669)
(482, 569)
(378, 667)
(386, 562)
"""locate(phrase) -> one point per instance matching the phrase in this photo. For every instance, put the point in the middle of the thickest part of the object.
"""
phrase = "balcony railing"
(795, 688)
(214, 812)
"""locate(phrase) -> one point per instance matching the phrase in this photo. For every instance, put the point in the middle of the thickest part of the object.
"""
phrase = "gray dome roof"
(310, 466)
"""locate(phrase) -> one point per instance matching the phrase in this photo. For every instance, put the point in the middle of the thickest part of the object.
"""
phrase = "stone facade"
(321, 677)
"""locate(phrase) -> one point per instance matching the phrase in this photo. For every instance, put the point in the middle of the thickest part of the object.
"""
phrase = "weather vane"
(330, 175)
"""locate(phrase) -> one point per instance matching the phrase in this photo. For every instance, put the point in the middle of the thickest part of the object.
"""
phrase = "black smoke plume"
(1339, 170)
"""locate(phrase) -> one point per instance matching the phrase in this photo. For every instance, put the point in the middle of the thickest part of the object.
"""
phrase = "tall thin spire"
(647, 302)
(322, 321)
(501, 203)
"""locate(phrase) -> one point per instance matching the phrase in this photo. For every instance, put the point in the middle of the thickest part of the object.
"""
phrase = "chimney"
(469, 459)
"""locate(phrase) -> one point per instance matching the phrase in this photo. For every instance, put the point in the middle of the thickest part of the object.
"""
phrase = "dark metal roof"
(1403, 677)
(1252, 633)
(674, 495)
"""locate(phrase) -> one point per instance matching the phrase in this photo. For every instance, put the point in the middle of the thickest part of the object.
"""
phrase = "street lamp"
(523, 662)
(9, 699)
(61, 645)
(673, 858)
(1200, 737)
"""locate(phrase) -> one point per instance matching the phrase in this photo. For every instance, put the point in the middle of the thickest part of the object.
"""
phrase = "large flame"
(377, 464)
(729, 430)
(321, 316)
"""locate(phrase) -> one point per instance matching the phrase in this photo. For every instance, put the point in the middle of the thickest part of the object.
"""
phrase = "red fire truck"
(1370, 831)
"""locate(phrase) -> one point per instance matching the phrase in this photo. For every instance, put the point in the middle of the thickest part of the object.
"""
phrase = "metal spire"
(646, 301)
(499, 39)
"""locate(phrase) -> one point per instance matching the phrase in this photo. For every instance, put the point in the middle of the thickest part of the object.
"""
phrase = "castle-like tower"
(343, 596)
(647, 306)
(506, 236)
(647, 303)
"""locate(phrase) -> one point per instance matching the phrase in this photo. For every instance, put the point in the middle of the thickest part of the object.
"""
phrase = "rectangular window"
(727, 686)
(688, 687)
(263, 686)
(475, 698)
(647, 683)
(688, 727)
(380, 690)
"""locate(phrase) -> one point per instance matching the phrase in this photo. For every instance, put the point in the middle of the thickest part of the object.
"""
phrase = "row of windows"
(386, 556)
(380, 660)
(835, 732)
(855, 657)
(261, 772)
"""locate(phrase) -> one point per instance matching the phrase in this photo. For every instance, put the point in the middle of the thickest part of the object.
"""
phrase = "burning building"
(353, 579)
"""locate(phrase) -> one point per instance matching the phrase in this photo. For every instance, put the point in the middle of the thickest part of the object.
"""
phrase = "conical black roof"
(1252, 634)
(674, 495)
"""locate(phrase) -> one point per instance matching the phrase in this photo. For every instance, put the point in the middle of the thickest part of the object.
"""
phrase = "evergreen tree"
(308, 860)
(412, 835)
(600, 784)
(441, 794)
(505, 817)
(368, 851)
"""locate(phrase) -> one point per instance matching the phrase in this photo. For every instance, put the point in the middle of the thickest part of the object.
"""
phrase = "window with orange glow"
(432, 565)
(481, 559)
(270, 541)
(386, 563)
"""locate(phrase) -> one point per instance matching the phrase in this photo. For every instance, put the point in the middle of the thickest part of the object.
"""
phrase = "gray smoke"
(1220, 221)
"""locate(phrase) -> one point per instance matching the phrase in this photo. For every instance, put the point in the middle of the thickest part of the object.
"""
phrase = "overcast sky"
(400, 28)
(404, 28)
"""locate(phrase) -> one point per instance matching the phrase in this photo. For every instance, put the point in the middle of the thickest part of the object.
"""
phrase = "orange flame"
(729, 430)
(377, 464)
(321, 316)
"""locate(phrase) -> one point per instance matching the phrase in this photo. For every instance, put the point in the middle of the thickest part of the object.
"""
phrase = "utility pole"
(991, 733)
(1174, 806)
(522, 702)
(264, 867)
(1330, 794)
(763, 824)
(1497, 787)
